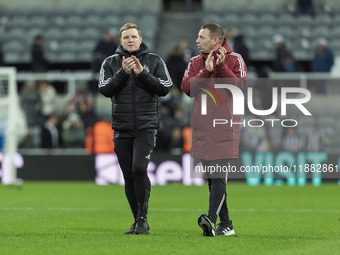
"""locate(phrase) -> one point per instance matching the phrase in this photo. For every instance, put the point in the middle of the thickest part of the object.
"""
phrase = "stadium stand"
(65, 28)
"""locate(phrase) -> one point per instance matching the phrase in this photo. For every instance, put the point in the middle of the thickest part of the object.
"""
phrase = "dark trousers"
(134, 156)
(217, 189)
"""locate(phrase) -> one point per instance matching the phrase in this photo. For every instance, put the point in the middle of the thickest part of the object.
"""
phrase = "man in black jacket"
(38, 61)
(134, 79)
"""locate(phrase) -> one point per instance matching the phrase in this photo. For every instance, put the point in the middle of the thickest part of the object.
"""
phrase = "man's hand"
(128, 64)
(138, 68)
(221, 56)
(209, 63)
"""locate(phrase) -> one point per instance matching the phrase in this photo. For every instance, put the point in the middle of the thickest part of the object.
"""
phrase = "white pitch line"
(250, 210)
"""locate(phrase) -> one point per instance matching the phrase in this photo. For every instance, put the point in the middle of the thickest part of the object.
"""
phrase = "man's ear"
(216, 41)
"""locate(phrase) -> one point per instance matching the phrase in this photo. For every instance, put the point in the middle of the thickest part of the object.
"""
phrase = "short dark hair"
(215, 31)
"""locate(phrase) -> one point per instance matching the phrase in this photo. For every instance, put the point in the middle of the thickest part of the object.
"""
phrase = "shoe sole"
(229, 233)
(206, 225)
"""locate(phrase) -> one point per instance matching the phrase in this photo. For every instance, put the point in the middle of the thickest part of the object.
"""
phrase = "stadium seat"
(68, 46)
(74, 21)
(54, 33)
(66, 57)
(94, 21)
(86, 45)
(18, 21)
(266, 32)
(230, 20)
(13, 46)
(91, 33)
(149, 23)
(38, 21)
(323, 20)
(304, 20)
(249, 20)
(212, 18)
(267, 19)
(129, 18)
(286, 20)
(112, 20)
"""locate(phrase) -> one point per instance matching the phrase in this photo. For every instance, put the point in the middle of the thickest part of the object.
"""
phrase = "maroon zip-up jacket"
(221, 141)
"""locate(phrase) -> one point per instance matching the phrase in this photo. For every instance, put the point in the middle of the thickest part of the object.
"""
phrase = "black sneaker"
(131, 230)
(225, 229)
(142, 226)
(207, 225)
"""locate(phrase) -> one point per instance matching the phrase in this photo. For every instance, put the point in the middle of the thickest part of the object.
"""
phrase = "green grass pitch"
(83, 218)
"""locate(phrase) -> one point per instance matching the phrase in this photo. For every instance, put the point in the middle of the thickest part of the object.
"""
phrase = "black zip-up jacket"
(135, 103)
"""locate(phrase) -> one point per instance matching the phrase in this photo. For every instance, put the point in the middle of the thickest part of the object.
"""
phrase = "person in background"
(105, 47)
(322, 62)
(39, 63)
(73, 132)
(304, 7)
(134, 79)
(48, 96)
(315, 139)
(212, 148)
(50, 134)
(2, 62)
(281, 54)
(31, 105)
(323, 59)
(176, 66)
(230, 34)
(186, 50)
(241, 48)
(291, 141)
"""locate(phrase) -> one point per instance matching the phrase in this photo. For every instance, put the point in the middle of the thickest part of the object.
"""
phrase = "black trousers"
(134, 156)
(217, 190)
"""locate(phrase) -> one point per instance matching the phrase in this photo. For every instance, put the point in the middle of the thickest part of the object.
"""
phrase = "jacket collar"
(143, 49)
(225, 45)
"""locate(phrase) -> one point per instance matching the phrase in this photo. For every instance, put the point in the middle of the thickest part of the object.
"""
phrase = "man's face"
(130, 40)
(205, 44)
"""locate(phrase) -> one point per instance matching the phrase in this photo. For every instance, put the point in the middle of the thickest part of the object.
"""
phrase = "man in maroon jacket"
(214, 145)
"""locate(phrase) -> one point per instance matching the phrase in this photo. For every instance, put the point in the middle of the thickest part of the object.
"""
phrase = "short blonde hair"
(129, 26)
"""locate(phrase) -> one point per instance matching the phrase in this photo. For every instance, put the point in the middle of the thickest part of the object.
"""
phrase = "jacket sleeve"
(158, 83)
(189, 74)
(239, 71)
(110, 83)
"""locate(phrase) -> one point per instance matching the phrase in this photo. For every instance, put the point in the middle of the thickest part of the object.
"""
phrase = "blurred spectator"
(104, 48)
(73, 132)
(172, 100)
(48, 97)
(322, 61)
(31, 104)
(291, 141)
(81, 96)
(2, 63)
(304, 7)
(315, 139)
(38, 61)
(323, 57)
(164, 131)
(87, 114)
(187, 51)
(255, 139)
(241, 48)
(50, 138)
(176, 66)
(176, 144)
(281, 54)
(290, 65)
(230, 37)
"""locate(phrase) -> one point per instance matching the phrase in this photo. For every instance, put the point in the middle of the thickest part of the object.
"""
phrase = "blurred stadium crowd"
(299, 37)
